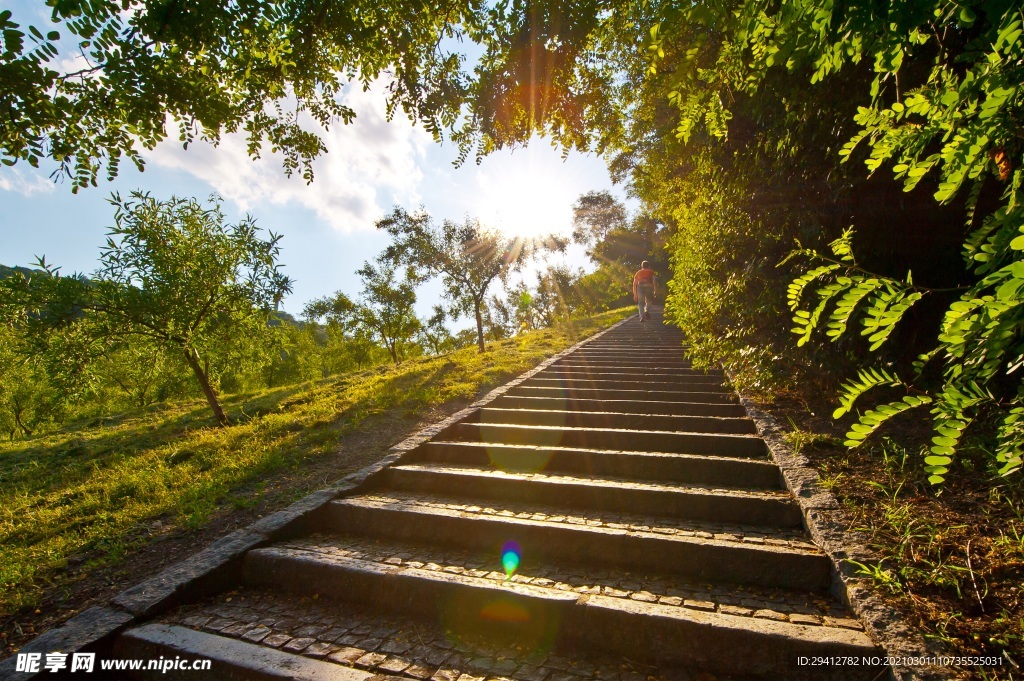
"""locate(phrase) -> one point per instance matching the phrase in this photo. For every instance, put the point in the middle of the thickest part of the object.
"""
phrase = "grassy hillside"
(87, 494)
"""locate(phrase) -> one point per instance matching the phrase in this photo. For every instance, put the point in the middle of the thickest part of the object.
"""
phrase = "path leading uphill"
(646, 531)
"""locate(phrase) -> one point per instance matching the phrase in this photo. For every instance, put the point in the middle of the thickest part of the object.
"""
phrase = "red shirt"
(643, 277)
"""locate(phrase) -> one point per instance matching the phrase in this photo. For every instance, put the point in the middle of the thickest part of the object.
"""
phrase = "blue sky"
(327, 226)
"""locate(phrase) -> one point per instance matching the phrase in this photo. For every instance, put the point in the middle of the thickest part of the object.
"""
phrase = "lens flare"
(505, 611)
(519, 459)
(510, 555)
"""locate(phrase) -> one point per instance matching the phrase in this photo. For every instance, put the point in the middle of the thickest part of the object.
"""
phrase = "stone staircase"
(655, 540)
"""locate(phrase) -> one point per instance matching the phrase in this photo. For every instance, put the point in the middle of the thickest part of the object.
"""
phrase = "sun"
(526, 200)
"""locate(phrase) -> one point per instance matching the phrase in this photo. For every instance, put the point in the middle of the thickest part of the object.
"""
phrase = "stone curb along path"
(612, 513)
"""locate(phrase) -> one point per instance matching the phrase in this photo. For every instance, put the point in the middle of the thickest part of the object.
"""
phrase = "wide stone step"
(641, 377)
(572, 365)
(624, 360)
(620, 406)
(691, 502)
(535, 390)
(670, 358)
(639, 466)
(576, 620)
(688, 385)
(668, 364)
(374, 637)
(228, 658)
(741, 446)
(713, 552)
(611, 419)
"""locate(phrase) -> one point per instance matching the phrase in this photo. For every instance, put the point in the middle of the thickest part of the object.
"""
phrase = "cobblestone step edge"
(218, 566)
(234, 658)
(693, 503)
(641, 466)
(761, 647)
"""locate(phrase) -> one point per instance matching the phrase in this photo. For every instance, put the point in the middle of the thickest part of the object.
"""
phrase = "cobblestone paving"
(604, 481)
(336, 632)
(582, 381)
(642, 376)
(742, 601)
(530, 449)
(644, 524)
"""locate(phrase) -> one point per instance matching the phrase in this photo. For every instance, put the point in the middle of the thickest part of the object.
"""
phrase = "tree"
(385, 309)
(27, 396)
(136, 367)
(435, 335)
(594, 216)
(101, 82)
(172, 273)
(468, 257)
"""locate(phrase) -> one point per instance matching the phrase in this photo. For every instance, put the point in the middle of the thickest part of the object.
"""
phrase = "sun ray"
(527, 202)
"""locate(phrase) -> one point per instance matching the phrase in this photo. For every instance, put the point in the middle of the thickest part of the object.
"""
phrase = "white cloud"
(25, 183)
(369, 165)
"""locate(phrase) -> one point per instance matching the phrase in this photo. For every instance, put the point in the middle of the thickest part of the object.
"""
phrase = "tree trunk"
(17, 420)
(479, 325)
(192, 357)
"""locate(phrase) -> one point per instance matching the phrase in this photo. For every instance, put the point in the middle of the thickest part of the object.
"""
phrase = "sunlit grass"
(89, 490)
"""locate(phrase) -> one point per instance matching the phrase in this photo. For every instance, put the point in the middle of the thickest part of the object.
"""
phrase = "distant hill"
(281, 318)
(6, 271)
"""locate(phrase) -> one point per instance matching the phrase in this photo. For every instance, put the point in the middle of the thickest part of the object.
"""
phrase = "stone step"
(636, 406)
(634, 345)
(581, 366)
(378, 637)
(698, 550)
(533, 390)
(663, 359)
(639, 334)
(653, 466)
(229, 658)
(590, 620)
(611, 419)
(616, 495)
(574, 383)
(739, 446)
(641, 377)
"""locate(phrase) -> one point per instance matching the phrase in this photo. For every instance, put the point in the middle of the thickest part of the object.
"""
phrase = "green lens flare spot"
(510, 556)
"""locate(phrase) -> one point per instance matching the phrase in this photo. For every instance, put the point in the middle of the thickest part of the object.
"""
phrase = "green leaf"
(873, 419)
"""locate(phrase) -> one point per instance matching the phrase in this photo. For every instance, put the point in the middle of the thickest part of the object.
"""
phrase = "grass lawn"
(85, 495)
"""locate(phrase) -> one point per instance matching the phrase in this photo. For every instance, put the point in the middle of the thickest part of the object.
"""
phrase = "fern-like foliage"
(981, 339)
(873, 418)
(865, 381)
(881, 301)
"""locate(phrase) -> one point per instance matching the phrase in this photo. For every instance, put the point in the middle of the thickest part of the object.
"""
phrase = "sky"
(327, 226)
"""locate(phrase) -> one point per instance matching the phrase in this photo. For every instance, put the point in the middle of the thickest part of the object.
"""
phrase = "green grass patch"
(88, 490)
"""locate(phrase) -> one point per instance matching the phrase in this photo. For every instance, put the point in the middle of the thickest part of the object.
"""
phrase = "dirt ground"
(952, 557)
